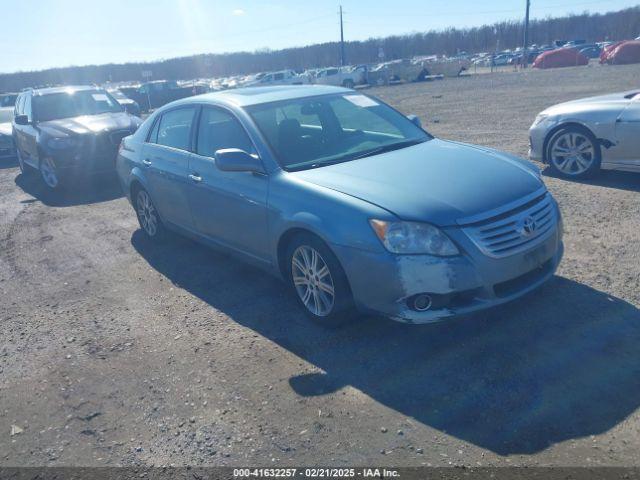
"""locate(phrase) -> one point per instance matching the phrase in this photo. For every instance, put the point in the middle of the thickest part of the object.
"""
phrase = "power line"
(342, 58)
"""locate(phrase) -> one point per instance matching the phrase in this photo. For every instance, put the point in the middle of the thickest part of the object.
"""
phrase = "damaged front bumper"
(384, 283)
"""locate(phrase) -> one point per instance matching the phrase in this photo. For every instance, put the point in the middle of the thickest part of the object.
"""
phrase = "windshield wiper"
(367, 153)
(387, 148)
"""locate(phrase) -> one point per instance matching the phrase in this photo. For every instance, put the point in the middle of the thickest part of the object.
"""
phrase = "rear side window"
(174, 128)
(219, 129)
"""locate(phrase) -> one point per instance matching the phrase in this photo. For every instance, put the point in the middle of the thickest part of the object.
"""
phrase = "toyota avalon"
(353, 204)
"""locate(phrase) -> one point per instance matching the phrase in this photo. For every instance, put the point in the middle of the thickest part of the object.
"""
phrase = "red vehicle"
(622, 53)
(562, 57)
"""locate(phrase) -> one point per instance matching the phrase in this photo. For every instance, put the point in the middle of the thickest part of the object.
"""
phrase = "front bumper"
(537, 136)
(7, 148)
(96, 155)
(384, 283)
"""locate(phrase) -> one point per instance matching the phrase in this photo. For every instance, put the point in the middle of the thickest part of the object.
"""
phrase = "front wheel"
(573, 152)
(318, 281)
(25, 169)
(348, 83)
(49, 174)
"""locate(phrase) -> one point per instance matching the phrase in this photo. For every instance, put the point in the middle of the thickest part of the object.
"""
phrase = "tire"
(573, 152)
(314, 292)
(422, 76)
(148, 217)
(348, 83)
(49, 174)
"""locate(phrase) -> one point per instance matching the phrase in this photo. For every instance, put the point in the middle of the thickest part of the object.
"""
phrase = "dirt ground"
(117, 352)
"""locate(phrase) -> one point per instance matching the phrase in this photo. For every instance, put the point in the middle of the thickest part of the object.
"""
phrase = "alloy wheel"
(147, 213)
(573, 153)
(312, 280)
(48, 172)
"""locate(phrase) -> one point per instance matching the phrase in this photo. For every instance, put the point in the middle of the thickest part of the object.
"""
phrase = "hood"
(88, 124)
(6, 114)
(613, 101)
(436, 181)
(6, 129)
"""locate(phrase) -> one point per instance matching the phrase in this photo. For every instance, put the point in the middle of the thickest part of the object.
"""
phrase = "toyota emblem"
(528, 226)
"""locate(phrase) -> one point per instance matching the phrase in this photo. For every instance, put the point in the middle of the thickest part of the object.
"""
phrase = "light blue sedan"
(353, 204)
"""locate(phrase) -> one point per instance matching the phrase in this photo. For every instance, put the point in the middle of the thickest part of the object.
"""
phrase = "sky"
(60, 33)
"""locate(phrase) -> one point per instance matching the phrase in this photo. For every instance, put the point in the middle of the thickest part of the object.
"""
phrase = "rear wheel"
(147, 214)
(318, 281)
(573, 152)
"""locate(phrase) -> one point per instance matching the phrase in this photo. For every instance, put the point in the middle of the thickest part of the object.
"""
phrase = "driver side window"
(218, 130)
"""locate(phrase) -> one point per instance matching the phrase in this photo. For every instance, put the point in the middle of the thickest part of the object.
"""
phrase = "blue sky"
(54, 33)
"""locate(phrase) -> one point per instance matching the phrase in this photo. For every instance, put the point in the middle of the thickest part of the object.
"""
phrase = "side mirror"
(236, 160)
(22, 120)
(415, 120)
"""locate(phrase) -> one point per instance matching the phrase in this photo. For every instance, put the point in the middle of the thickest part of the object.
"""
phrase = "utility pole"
(342, 59)
(525, 56)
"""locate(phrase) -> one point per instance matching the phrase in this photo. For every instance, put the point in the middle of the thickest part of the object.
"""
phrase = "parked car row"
(325, 187)
(560, 54)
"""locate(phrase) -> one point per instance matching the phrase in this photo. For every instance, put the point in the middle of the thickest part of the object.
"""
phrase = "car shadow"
(605, 178)
(563, 362)
(91, 190)
(6, 163)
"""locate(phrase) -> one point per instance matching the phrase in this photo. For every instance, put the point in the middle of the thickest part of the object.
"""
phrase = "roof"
(244, 97)
(65, 89)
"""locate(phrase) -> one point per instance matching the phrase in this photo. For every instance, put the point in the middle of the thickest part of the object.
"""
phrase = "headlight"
(413, 238)
(539, 119)
(62, 143)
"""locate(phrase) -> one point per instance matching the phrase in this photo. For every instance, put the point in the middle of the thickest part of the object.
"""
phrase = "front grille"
(515, 285)
(515, 231)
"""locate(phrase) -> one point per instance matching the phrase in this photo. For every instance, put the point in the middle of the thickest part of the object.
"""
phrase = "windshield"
(73, 104)
(6, 115)
(312, 132)
(8, 100)
(118, 95)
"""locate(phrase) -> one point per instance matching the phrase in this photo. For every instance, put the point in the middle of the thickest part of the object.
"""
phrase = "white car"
(579, 138)
(283, 77)
(347, 77)
(7, 148)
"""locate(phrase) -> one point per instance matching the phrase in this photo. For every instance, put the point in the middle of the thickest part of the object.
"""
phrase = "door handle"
(146, 162)
(195, 177)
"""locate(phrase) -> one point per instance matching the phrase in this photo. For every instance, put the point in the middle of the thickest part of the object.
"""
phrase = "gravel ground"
(118, 352)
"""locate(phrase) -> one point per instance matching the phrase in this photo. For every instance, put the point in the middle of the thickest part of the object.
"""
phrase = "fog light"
(422, 302)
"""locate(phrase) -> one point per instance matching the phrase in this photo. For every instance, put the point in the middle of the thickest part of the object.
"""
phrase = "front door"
(165, 161)
(627, 149)
(228, 207)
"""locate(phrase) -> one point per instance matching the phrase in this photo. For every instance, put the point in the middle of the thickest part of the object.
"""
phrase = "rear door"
(228, 207)
(627, 150)
(165, 160)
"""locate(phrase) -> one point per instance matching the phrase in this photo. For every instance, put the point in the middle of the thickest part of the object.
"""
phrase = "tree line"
(623, 24)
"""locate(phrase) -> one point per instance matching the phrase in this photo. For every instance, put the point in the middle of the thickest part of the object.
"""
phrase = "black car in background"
(151, 95)
(67, 133)
(129, 105)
